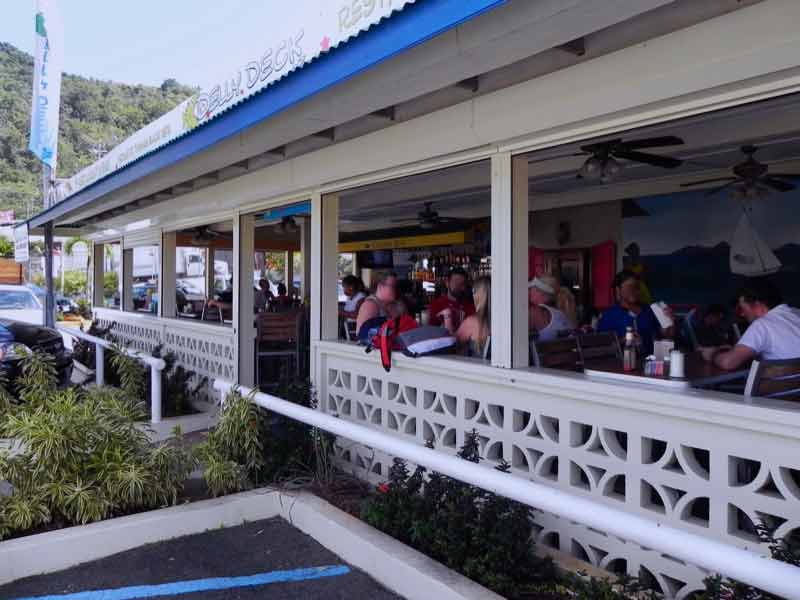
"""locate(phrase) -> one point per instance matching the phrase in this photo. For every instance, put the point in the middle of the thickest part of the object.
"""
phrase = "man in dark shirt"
(630, 312)
(450, 308)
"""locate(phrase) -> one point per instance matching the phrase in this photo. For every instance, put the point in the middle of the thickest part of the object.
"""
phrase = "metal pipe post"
(49, 298)
(155, 394)
(99, 365)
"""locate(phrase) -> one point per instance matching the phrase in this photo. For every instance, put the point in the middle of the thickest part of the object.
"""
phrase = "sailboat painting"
(750, 255)
(698, 250)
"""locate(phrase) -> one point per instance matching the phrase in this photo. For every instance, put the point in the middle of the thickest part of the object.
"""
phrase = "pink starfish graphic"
(325, 44)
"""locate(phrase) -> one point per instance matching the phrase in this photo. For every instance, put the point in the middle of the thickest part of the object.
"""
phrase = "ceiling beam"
(326, 134)
(389, 113)
(576, 47)
(473, 84)
(183, 188)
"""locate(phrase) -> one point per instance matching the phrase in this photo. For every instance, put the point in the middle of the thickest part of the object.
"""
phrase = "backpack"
(387, 337)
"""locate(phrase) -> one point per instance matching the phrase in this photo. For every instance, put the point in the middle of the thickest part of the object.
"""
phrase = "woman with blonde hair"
(545, 319)
(475, 331)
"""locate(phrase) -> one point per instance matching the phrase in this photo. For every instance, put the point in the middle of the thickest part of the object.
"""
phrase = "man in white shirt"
(773, 334)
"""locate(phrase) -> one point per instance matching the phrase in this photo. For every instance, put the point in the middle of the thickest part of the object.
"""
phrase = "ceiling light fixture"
(592, 168)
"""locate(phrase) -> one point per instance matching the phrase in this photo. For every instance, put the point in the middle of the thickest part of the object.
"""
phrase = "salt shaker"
(676, 364)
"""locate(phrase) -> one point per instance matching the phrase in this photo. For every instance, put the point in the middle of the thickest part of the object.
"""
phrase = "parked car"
(26, 338)
(19, 302)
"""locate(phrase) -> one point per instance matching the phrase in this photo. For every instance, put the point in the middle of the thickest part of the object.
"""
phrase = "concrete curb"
(400, 568)
(57, 550)
(403, 570)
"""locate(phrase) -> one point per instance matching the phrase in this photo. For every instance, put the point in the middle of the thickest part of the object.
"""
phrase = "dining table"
(698, 373)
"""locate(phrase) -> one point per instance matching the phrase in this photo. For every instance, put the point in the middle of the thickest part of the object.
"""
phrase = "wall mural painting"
(698, 249)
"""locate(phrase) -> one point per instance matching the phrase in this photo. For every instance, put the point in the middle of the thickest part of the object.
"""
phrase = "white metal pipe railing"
(760, 571)
(156, 365)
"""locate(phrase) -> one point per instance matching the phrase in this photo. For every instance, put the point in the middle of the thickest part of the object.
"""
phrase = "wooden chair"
(774, 379)
(562, 353)
(592, 346)
(278, 336)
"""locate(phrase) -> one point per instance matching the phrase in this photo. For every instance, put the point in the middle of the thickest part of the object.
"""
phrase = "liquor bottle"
(630, 357)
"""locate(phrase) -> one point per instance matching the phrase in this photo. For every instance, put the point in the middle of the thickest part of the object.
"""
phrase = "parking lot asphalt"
(266, 560)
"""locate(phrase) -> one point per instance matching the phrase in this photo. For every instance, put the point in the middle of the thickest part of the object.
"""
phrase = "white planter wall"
(659, 454)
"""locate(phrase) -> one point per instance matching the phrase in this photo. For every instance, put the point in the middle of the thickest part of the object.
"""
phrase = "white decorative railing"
(768, 574)
(708, 464)
(156, 366)
(205, 349)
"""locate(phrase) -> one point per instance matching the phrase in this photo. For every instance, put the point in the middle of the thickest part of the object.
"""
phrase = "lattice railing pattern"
(681, 469)
(208, 353)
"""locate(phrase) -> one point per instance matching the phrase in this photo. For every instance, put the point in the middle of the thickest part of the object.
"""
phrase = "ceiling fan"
(428, 218)
(602, 163)
(287, 225)
(750, 179)
(205, 234)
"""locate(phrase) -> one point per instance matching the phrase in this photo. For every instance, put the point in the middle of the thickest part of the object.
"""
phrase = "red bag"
(387, 338)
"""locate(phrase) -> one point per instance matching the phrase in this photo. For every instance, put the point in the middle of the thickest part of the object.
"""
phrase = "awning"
(415, 23)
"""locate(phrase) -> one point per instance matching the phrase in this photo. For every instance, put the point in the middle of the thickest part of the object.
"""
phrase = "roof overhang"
(414, 25)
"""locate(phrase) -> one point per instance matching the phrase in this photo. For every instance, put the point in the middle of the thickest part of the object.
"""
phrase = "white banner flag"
(48, 65)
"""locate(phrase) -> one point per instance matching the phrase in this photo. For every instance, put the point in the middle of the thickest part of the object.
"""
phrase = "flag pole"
(49, 297)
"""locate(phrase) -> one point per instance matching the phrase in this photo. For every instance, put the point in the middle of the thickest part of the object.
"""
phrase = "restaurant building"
(509, 138)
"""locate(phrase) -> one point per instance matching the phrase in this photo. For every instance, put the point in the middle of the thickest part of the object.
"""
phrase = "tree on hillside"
(95, 115)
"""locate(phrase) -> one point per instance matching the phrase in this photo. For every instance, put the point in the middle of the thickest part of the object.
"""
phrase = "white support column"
(127, 280)
(322, 250)
(98, 258)
(167, 283)
(509, 261)
(305, 251)
(289, 274)
(243, 297)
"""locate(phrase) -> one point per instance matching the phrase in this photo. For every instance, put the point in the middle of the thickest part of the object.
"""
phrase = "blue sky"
(147, 41)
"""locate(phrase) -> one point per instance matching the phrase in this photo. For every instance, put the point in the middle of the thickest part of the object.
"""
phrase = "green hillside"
(95, 116)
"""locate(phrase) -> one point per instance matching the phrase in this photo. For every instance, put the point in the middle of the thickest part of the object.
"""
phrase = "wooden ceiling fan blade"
(665, 162)
(777, 184)
(653, 142)
(788, 176)
(705, 181)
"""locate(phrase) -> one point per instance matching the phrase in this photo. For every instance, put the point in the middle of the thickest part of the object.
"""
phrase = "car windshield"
(17, 300)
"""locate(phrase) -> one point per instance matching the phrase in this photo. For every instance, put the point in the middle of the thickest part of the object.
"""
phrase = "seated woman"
(630, 312)
(353, 289)
(474, 331)
(381, 303)
(544, 319)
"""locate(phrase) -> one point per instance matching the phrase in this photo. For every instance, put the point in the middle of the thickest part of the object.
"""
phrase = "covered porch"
(498, 166)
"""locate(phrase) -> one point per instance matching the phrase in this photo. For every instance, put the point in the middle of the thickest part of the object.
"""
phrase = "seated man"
(449, 309)
(630, 312)
(773, 334)
(223, 300)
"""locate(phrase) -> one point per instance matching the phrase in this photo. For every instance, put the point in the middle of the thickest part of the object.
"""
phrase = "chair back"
(774, 379)
(349, 326)
(599, 345)
(561, 353)
(278, 327)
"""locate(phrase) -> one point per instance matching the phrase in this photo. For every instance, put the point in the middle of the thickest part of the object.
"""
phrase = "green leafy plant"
(131, 372)
(84, 456)
(178, 387)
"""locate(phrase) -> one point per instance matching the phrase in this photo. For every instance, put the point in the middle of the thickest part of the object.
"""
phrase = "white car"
(19, 303)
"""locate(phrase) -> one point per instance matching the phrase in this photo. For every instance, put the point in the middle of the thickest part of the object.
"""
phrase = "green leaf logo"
(189, 118)
(40, 28)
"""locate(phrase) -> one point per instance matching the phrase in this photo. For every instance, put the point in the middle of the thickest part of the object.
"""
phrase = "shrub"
(84, 456)
(177, 387)
(75, 283)
(480, 534)
(251, 446)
